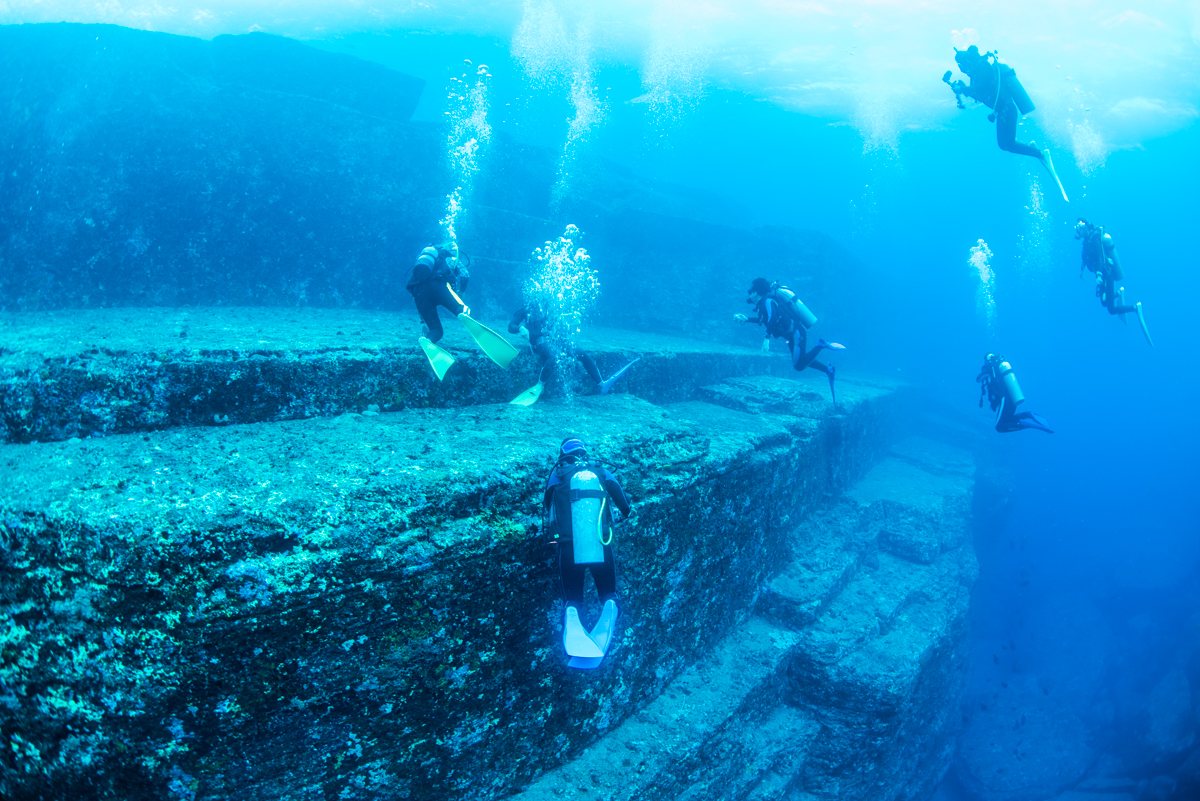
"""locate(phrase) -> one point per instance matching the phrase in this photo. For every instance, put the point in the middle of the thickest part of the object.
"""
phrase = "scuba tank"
(588, 499)
(1108, 257)
(1007, 76)
(1008, 379)
(799, 312)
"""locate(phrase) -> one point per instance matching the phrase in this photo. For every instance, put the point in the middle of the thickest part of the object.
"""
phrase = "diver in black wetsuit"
(435, 280)
(577, 503)
(1099, 255)
(535, 323)
(996, 86)
(784, 316)
(999, 384)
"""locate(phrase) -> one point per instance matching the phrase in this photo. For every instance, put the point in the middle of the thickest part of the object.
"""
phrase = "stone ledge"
(872, 715)
(111, 371)
(665, 742)
(372, 588)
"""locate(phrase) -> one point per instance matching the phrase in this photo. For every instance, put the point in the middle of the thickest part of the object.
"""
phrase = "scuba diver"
(998, 383)
(995, 85)
(577, 508)
(784, 316)
(1099, 254)
(435, 280)
(531, 321)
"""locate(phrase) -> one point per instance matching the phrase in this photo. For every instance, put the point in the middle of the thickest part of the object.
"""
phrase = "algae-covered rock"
(844, 684)
(364, 605)
(113, 371)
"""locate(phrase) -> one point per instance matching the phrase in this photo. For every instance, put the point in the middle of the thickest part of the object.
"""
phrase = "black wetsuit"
(1099, 255)
(539, 340)
(773, 313)
(436, 286)
(995, 84)
(557, 504)
(1008, 419)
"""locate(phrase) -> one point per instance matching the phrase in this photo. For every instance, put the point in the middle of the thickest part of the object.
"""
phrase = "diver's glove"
(766, 345)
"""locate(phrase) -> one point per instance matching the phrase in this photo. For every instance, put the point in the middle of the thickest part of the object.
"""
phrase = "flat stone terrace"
(96, 372)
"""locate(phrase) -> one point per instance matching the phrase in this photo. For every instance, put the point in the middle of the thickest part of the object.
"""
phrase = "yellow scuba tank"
(587, 517)
(1008, 379)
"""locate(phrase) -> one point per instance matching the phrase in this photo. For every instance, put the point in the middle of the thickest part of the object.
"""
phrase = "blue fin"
(601, 635)
(576, 640)
(1142, 322)
(1048, 163)
(603, 630)
(585, 662)
(606, 386)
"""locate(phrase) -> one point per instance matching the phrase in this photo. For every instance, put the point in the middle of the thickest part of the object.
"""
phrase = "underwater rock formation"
(363, 606)
(111, 371)
(844, 681)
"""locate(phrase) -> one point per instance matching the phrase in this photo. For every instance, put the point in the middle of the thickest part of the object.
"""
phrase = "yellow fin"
(439, 358)
(497, 348)
(529, 396)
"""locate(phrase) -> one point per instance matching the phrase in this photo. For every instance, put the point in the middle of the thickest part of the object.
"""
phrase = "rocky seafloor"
(349, 595)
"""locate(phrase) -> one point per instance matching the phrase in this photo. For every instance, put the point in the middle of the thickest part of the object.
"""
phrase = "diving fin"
(603, 630)
(585, 662)
(497, 348)
(529, 396)
(1048, 163)
(606, 386)
(576, 640)
(439, 358)
(832, 345)
(1142, 321)
(601, 635)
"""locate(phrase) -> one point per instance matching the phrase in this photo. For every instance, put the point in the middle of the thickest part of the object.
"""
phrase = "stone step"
(105, 371)
(917, 499)
(819, 571)
(884, 658)
(868, 643)
(374, 588)
(706, 736)
(756, 758)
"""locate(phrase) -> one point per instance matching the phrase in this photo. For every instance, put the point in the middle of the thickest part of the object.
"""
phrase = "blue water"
(1105, 511)
(1112, 486)
(1103, 520)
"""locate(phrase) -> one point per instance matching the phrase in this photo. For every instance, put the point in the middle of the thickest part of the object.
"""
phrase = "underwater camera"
(955, 86)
